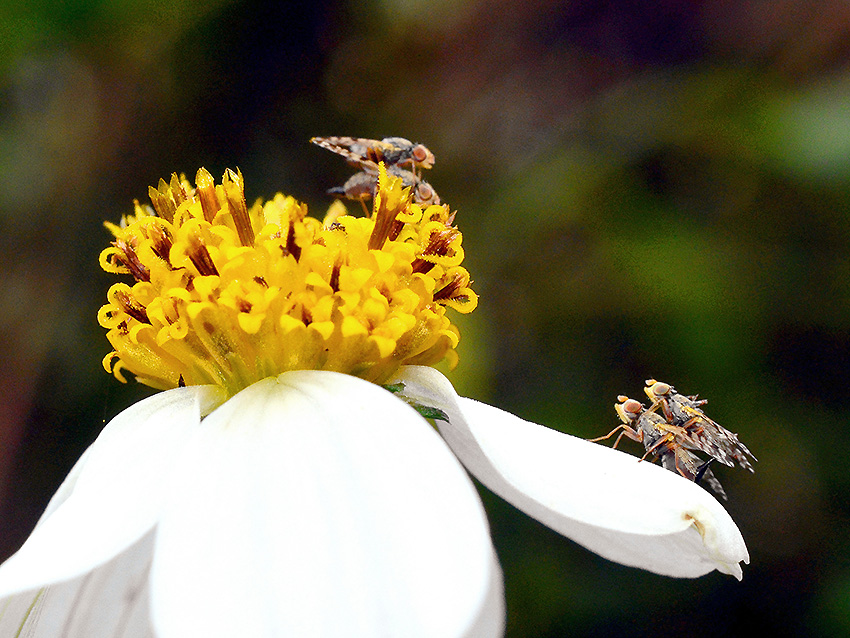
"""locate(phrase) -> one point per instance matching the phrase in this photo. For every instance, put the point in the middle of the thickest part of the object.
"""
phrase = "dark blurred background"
(645, 189)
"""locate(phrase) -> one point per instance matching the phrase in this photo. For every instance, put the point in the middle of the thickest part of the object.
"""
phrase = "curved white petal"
(317, 504)
(112, 600)
(113, 495)
(490, 622)
(634, 513)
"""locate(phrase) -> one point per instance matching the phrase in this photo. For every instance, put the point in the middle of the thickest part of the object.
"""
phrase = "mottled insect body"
(362, 185)
(401, 157)
(674, 428)
(700, 432)
(396, 151)
(663, 441)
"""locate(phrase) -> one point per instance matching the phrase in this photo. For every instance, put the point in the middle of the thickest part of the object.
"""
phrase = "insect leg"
(665, 409)
(685, 472)
(667, 438)
(630, 432)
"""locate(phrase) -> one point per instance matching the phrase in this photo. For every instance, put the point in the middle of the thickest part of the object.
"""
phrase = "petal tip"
(722, 540)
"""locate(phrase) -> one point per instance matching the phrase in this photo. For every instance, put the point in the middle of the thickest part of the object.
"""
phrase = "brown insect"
(392, 151)
(663, 441)
(402, 158)
(361, 186)
(699, 431)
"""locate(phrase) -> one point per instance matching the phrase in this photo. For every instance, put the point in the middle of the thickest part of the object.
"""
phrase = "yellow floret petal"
(384, 260)
(385, 346)
(351, 327)
(250, 323)
(288, 324)
(229, 294)
(325, 329)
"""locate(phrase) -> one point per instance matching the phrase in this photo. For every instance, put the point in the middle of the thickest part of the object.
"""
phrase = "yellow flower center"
(228, 295)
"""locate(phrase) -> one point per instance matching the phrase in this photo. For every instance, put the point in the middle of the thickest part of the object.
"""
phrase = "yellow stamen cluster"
(228, 295)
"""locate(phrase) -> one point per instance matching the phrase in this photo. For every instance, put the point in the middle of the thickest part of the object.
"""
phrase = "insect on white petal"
(700, 432)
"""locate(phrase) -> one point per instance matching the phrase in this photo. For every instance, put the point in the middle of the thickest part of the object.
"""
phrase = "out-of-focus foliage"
(645, 189)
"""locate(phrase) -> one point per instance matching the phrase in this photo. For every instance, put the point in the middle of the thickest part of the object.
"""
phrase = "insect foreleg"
(630, 432)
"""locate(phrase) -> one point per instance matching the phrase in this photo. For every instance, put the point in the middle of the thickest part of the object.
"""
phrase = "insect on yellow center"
(228, 295)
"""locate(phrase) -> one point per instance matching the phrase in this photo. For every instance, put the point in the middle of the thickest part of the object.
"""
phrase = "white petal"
(491, 615)
(317, 504)
(112, 495)
(631, 512)
(112, 600)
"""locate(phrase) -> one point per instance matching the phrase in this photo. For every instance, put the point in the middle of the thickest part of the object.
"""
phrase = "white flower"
(310, 502)
(318, 504)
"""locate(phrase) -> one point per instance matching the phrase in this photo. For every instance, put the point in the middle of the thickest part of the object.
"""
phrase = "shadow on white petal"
(631, 512)
(114, 493)
(318, 504)
(112, 600)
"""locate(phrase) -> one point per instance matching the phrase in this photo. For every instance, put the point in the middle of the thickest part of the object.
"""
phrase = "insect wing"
(668, 442)
(676, 458)
(353, 149)
(689, 465)
(396, 151)
(712, 438)
(700, 432)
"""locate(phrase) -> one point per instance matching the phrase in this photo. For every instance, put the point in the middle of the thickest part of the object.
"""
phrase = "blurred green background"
(645, 190)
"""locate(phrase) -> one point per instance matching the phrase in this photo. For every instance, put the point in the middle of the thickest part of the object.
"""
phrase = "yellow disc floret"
(229, 295)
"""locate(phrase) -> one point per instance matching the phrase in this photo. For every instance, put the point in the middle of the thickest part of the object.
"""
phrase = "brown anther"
(128, 305)
(395, 231)
(291, 247)
(131, 261)
(206, 193)
(438, 244)
(450, 290)
(440, 241)
(244, 305)
(262, 281)
(334, 281)
(200, 256)
(234, 190)
(161, 242)
(421, 265)
(386, 226)
(383, 226)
